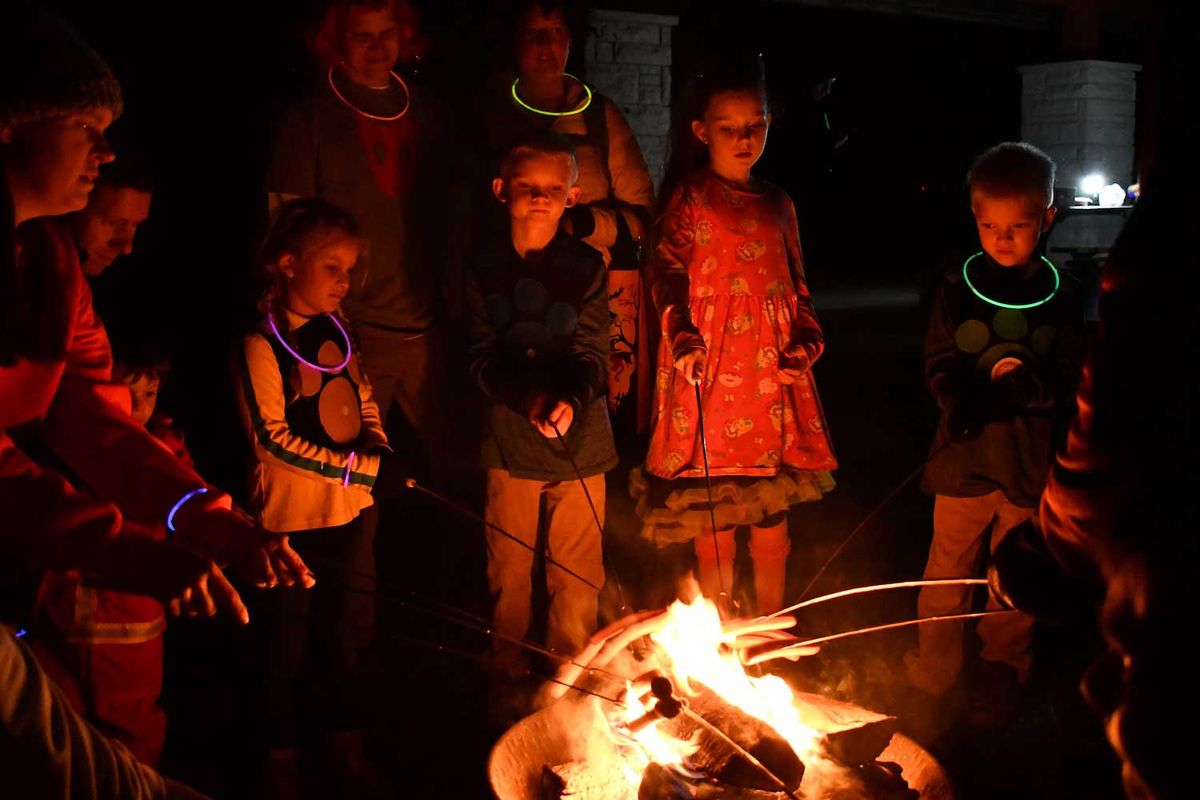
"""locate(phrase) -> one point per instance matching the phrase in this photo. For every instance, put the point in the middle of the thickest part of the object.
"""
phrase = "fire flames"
(692, 648)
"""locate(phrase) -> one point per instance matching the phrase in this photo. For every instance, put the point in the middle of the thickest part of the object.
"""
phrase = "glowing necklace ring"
(587, 100)
(994, 302)
(376, 117)
(305, 361)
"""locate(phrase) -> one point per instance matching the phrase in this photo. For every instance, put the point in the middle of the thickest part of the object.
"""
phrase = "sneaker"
(348, 771)
(281, 779)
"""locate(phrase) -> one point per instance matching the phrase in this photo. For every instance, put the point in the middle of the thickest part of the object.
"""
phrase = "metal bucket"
(555, 735)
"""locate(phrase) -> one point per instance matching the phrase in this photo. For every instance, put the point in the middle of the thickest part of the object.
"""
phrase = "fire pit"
(553, 735)
(724, 733)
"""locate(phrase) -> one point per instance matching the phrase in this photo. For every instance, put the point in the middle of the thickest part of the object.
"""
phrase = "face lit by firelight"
(319, 278)
(52, 163)
(371, 41)
(734, 129)
(1010, 226)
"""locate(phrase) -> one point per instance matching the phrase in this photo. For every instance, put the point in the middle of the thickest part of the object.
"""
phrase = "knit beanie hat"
(46, 70)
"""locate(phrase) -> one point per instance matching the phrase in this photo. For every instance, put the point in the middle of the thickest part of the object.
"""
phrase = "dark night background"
(917, 96)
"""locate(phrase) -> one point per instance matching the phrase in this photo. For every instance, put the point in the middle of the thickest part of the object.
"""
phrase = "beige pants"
(572, 539)
(959, 525)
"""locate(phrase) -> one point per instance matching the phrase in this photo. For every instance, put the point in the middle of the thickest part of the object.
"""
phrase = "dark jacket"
(999, 435)
(542, 327)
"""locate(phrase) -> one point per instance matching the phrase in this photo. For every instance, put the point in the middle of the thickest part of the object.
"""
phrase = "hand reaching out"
(185, 582)
(228, 536)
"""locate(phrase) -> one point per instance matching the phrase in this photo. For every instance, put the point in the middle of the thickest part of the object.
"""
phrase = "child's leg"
(512, 504)
(769, 548)
(575, 541)
(126, 682)
(959, 524)
(1006, 637)
(282, 617)
(708, 554)
(335, 631)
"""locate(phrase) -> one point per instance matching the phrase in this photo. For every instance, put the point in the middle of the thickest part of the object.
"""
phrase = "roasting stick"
(783, 652)
(879, 587)
(466, 620)
(592, 506)
(712, 514)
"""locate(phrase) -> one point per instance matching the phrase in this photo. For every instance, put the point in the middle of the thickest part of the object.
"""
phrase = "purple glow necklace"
(302, 359)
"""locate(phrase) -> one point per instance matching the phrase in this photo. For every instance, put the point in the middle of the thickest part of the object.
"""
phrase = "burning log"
(721, 762)
(853, 735)
(579, 780)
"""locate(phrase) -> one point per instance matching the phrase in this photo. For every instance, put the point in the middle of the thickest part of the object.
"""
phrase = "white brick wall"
(1083, 114)
(628, 58)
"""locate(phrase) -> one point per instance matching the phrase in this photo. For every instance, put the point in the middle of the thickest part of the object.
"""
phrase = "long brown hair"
(725, 72)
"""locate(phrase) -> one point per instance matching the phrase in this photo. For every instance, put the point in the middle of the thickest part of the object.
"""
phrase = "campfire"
(662, 706)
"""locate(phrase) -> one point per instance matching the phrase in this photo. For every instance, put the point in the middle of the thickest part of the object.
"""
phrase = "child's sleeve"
(495, 381)
(372, 437)
(263, 402)
(943, 373)
(1056, 377)
(589, 352)
(670, 286)
(631, 197)
(806, 336)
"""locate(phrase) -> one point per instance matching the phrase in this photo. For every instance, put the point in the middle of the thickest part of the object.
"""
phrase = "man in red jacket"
(60, 412)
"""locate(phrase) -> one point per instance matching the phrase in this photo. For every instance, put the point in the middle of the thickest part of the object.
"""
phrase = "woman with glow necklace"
(613, 211)
(369, 140)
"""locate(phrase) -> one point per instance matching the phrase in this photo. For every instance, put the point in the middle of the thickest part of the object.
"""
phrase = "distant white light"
(1092, 184)
(1112, 195)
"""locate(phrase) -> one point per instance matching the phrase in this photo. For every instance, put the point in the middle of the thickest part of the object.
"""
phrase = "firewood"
(659, 783)
(853, 735)
(577, 780)
(721, 762)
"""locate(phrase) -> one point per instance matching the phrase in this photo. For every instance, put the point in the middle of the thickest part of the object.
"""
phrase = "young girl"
(319, 444)
(738, 322)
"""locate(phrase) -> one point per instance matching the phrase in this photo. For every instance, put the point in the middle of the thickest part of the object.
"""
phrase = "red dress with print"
(733, 257)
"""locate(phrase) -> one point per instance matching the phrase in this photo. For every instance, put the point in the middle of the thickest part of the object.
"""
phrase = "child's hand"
(1006, 366)
(557, 420)
(691, 363)
(228, 536)
(793, 367)
(185, 582)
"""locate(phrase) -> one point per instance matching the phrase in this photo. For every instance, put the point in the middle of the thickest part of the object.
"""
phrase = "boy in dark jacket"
(1002, 355)
(538, 311)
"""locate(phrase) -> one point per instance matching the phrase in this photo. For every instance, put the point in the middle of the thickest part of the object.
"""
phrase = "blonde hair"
(296, 228)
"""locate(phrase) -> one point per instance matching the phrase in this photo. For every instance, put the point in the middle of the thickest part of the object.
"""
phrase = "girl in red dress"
(738, 320)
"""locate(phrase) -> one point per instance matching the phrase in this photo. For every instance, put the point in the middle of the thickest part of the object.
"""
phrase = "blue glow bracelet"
(175, 508)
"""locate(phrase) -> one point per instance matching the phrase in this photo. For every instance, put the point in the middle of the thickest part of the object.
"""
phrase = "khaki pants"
(959, 525)
(572, 539)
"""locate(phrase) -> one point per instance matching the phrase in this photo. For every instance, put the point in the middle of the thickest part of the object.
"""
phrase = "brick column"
(1082, 113)
(628, 58)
